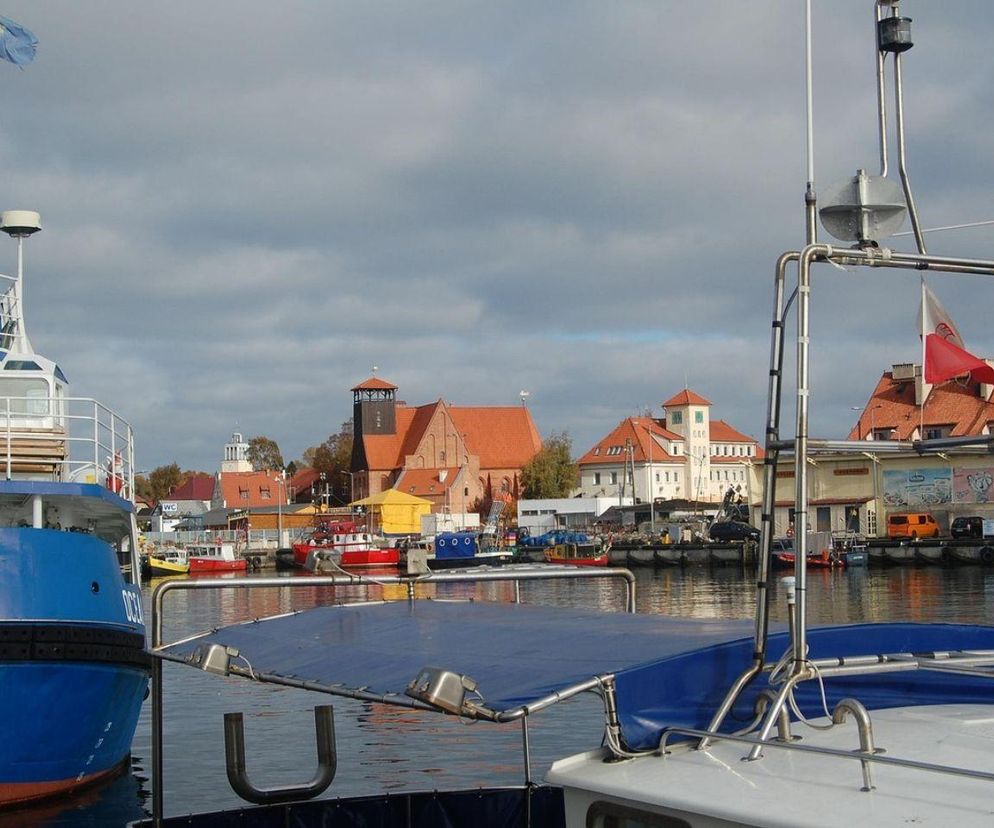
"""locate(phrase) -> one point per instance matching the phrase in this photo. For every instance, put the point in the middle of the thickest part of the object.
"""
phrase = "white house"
(683, 455)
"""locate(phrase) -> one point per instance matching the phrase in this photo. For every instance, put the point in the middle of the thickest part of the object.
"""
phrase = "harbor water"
(383, 749)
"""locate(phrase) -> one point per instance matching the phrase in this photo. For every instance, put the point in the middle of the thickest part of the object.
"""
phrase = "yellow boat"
(169, 562)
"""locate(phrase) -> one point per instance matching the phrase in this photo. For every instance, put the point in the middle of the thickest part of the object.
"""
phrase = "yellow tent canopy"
(396, 513)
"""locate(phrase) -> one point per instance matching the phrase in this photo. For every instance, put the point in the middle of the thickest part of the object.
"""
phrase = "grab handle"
(234, 760)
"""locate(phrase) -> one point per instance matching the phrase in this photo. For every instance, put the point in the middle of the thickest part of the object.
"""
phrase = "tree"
(551, 472)
(263, 453)
(334, 458)
(159, 482)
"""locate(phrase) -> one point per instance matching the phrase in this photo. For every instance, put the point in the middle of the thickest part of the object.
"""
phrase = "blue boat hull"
(73, 666)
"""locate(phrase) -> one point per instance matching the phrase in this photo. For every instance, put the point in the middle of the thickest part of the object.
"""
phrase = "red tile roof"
(637, 430)
(722, 432)
(426, 482)
(374, 384)
(248, 490)
(686, 397)
(502, 437)
(195, 487)
(302, 480)
(891, 406)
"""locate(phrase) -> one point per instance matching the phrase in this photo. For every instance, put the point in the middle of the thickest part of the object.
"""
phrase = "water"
(391, 749)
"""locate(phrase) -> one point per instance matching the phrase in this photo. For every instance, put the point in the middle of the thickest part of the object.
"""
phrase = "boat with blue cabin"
(73, 663)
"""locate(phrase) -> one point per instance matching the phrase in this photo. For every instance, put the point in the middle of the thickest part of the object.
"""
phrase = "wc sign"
(169, 508)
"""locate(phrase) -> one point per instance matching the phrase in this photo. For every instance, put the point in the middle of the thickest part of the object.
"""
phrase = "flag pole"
(921, 409)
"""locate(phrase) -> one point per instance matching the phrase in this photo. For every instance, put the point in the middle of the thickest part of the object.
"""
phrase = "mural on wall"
(917, 488)
(973, 485)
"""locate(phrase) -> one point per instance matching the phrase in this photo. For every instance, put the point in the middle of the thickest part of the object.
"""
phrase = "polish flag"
(945, 356)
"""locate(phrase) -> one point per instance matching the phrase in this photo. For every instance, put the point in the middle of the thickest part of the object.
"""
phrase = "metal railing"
(70, 439)
(506, 574)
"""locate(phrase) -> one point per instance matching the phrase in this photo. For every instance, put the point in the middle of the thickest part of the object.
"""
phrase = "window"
(614, 477)
(597, 451)
(698, 416)
(677, 417)
(612, 815)
(264, 493)
(597, 478)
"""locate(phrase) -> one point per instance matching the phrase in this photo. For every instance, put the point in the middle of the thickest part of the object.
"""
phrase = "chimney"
(986, 389)
(922, 388)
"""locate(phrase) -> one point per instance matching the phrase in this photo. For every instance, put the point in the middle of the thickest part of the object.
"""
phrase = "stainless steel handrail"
(859, 756)
(505, 574)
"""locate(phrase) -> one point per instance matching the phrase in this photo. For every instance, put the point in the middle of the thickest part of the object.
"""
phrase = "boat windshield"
(24, 395)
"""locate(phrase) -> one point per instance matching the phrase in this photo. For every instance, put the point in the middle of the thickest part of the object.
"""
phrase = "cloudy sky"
(247, 205)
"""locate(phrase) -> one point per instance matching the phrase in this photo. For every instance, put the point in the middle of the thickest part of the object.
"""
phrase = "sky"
(247, 206)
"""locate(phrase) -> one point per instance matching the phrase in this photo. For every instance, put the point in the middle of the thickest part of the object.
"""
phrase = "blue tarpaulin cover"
(669, 671)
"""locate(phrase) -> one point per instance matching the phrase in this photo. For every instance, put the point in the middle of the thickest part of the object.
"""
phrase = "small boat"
(170, 560)
(576, 554)
(73, 665)
(826, 559)
(214, 557)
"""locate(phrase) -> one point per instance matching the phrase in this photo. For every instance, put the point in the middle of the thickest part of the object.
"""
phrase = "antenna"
(18, 224)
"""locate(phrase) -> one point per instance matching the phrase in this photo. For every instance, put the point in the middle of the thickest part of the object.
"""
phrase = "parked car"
(912, 525)
(733, 530)
(967, 526)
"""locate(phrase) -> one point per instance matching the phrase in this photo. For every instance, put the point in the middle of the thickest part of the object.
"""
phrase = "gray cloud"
(246, 209)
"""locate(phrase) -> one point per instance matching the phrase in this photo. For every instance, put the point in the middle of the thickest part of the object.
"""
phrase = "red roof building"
(451, 455)
(953, 409)
(248, 490)
(683, 455)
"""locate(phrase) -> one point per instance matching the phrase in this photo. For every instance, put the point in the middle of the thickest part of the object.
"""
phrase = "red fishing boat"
(345, 544)
(214, 557)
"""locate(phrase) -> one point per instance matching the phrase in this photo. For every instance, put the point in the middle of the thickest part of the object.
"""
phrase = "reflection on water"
(383, 748)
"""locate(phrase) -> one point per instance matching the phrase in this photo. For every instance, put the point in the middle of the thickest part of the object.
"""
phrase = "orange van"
(912, 525)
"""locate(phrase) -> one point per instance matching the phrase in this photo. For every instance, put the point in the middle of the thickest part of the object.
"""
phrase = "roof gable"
(195, 487)
(637, 430)
(374, 384)
(685, 397)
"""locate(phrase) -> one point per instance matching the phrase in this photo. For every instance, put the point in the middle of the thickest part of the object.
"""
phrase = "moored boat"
(576, 554)
(214, 557)
(343, 544)
(73, 665)
(168, 561)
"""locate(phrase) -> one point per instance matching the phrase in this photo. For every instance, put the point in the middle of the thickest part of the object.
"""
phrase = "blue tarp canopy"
(668, 671)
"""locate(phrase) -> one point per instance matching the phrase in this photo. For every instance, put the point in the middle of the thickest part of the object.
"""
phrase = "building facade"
(684, 455)
(452, 455)
(856, 493)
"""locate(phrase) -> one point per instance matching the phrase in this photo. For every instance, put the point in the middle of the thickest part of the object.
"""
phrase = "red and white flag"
(945, 356)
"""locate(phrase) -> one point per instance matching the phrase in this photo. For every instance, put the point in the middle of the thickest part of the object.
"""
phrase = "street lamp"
(280, 494)
(873, 423)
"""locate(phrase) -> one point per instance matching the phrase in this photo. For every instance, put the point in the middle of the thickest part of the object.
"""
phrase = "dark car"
(967, 526)
(733, 530)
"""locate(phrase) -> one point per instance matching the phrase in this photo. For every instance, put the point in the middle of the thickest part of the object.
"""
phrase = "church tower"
(236, 455)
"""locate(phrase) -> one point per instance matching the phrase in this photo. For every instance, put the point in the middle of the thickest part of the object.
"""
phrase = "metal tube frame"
(507, 574)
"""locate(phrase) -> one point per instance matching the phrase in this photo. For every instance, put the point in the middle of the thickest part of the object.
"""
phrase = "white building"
(540, 516)
(684, 455)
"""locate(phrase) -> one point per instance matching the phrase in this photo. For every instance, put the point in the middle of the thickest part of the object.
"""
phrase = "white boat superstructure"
(816, 780)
